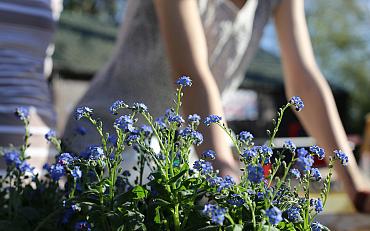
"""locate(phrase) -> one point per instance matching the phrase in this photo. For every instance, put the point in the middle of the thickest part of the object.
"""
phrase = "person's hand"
(234, 172)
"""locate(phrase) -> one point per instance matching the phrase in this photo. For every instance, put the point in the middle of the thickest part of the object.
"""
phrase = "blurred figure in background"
(26, 33)
(213, 41)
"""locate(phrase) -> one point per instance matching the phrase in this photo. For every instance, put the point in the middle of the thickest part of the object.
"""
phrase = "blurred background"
(340, 35)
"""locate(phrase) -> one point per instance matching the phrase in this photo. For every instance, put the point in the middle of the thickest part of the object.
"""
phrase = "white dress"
(139, 70)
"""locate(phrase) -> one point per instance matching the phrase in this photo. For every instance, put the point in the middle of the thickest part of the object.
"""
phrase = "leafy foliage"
(99, 195)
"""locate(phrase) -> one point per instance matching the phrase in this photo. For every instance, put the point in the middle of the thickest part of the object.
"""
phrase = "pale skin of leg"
(182, 31)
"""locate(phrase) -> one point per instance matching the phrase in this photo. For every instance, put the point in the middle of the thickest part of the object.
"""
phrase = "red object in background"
(293, 129)
(318, 163)
(266, 169)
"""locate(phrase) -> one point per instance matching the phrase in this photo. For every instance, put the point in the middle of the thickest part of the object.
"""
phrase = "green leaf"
(162, 202)
(157, 218)
(185, 193)
(286, 226)
(140, 192)
(209, 228)
(269, 228)
(184, 169)
(235, 227)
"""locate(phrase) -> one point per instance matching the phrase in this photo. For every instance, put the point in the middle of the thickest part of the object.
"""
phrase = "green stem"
(162, 147)
(284, 176)
(176, 217)
(101, 197)
(112, 182)
(26, 137)
(186, 215)
(276, 129)
(231, 137)
(329, 181)
(71, 195)
(307, 197)
(230, 219)
(252, 207)
(99, 128)
(274, 171)
(178, 103)
(154, 131)
(142, 163)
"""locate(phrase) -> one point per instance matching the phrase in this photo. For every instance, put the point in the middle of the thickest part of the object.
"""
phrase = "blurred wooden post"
(365, 148)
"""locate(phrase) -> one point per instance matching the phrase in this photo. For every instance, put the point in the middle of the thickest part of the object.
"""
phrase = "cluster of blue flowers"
(255, 173)
(146, 130)
(194, 119)
(236, 200)
(249, 154)
(316, 175)
(140, 107)
(13, 158)
(341, 156)
(319, 152)
(76, 172)
(119, 104)
(215, 212)
(93, 152)
(294, 214)
(22, 113)
(56, 171)
(184, 81)
(317, 205)
(83, 112)
(245, 136)
(274, 215)
(221, 183)
(297, 102)
(194, 136)
(177, 119)
(305, 160)
(227, 182)
(64, 163)
(65, 159)
(126, 123)
(214, 181)
(295, 173)
(204, 167)
(264, 152)
(288, 144)
(211, 119)
(209, 154)
(51, 135)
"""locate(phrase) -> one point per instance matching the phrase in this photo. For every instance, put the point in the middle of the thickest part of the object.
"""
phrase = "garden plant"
(94, 190)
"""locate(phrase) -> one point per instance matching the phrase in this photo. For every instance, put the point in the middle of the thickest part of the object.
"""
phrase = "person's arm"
(303, 78)
(186, 47)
